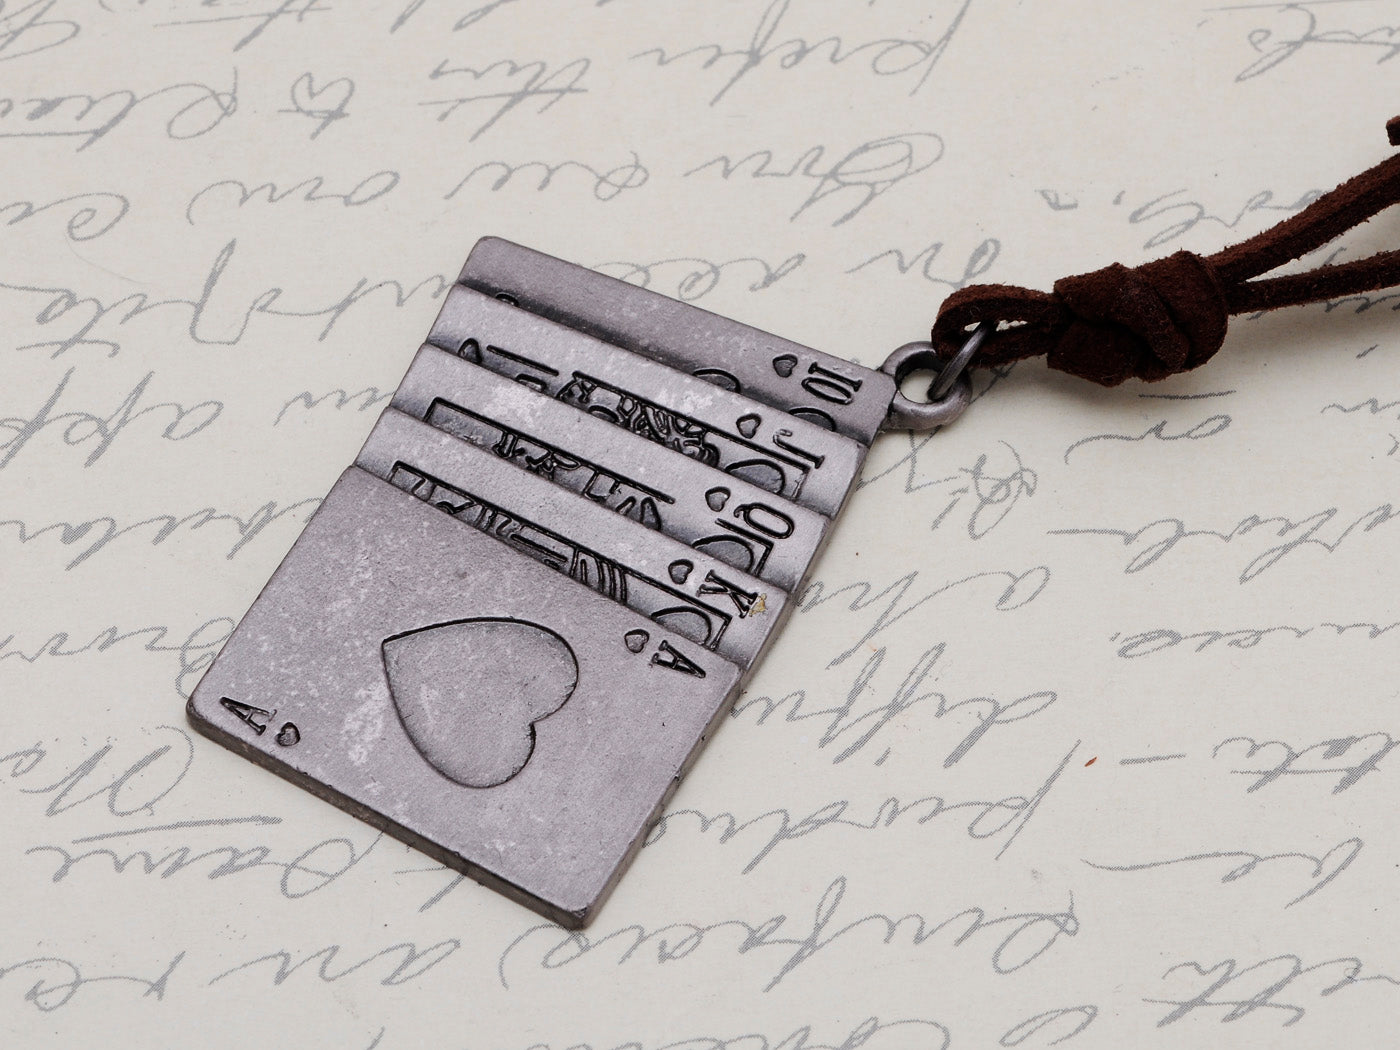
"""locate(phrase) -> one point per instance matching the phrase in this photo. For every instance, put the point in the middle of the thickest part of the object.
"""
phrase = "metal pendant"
(513, 622)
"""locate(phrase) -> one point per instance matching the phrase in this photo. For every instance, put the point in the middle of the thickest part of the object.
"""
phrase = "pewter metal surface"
(939, 410)
(782, 454)
(814, 386)
(726, 517)
(684, 590)
(466, 699)
(508, 647)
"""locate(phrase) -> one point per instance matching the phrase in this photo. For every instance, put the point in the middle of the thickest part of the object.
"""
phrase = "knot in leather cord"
(1170, 315)
(1146, 322)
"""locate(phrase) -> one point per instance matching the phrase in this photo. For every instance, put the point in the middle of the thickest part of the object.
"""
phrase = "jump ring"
(949, 394)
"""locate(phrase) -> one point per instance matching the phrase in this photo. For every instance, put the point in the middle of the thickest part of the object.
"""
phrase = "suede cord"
(1170, 315)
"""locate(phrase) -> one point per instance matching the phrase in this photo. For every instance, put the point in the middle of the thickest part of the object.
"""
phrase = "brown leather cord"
(1169, 315)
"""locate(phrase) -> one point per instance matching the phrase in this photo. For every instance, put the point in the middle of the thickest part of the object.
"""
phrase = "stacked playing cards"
(513, 622)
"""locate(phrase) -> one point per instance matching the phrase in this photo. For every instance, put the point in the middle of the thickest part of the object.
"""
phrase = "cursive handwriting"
(1155, 540)
(1183, 216)
(607, 184)
(520, 82)
(80, 427)
(985, 492)
(360, 401)
(1161, 639)
(853, 723)
(1018, 938)
(1348, 758)
(410, 962)
(883, 57)
(1063, 1023)
(295, 10)
(869, 170)
(1241, 991)
(308, 191)
(124, 788)
(866, 1035)
(95, 535)
(688, 278)
(195, 651)
(313, 869)
(1206, 428)
(985, 819)
(1059, 200)
(471, 18)
(1018, 589)
(56, 982)
(1372, 406)
(88, 319)
(1303, 30)
(322, 105)
(27, 30)
(90, 118)
(978, 262)
(88, 215)
(1324, 868)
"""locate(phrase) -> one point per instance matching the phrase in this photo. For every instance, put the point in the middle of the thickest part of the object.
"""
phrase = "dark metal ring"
(949, 394)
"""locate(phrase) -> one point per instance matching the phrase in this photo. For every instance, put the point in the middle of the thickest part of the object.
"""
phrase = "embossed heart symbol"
(469, 693)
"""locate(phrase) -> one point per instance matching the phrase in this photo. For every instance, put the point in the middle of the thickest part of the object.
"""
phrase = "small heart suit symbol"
(469, 693)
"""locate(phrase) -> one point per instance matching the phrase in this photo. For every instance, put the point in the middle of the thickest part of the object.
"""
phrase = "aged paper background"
(1080, 737)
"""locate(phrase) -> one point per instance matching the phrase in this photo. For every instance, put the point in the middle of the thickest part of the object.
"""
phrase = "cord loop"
(1170, 315)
